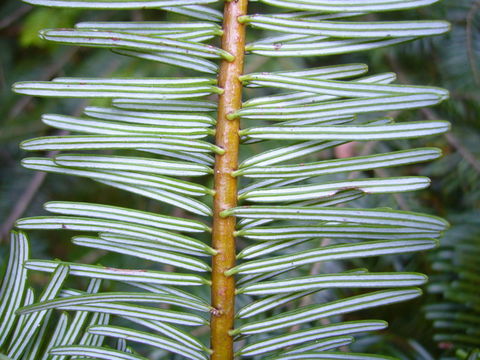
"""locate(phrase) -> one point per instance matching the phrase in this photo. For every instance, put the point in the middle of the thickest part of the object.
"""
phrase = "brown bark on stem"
(225, 185)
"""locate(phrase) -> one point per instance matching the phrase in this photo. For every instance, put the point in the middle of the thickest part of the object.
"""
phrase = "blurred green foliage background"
(451, 61)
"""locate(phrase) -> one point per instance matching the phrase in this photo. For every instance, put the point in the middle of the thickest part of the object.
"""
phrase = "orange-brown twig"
(223, 287)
